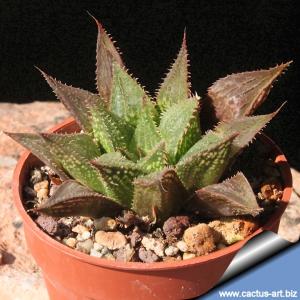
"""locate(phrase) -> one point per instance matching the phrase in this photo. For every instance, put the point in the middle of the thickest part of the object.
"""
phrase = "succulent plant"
(150, 155)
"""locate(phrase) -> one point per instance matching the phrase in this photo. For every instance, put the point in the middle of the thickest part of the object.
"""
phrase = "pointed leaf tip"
(240, 94)
(232, 197)
(176, 86)
(76, 100)
(106, 55)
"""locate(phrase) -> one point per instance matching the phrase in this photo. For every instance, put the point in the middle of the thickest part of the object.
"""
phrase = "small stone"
(104, 250)
(153, 244)
(41, 185)
(200, 239)
(97, 247)
(47, 223)
(188, 255)
(105, 224)
(95, 253)
(175, 226)
(71, 242)
(147, 256)
(124, 254)
(66, 220)
(85, 246)
(36, 176)
(42, 189)
(182, 246)
(171, 251)
(42, 194)
(83, 236)
(80, 229)
(112, 240)
(135, 238)
(233, 229)
(89, 223)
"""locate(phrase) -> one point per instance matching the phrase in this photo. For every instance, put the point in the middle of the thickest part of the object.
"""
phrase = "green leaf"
(238, 95)
(247, 128)
(110, 131)
(73, 199)
(158, 195)
(40, 148)
(175, 87)
(106, 54)
(198, 169)
(118, 173)
(179, 128)
(77, 101)
(232, 197)
(146, 135)
(155, 160)
(128, 98)
(75, 158)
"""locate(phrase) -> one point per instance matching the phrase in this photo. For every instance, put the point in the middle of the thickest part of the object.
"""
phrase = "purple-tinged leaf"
(106, 54)
(239, 95)
(232, 197)
(158, 195)
(40, 148)
(73, 199)
(77, 101)
(247, 127)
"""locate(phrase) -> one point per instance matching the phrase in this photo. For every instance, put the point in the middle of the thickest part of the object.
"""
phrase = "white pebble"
(95, 253)
(79, 229)
(83, 236)
(182, 246)
(71, 242)
(154, 245)
(98, 247)
(171, 251)
(85, 246)
(88, 223)
(188, 255)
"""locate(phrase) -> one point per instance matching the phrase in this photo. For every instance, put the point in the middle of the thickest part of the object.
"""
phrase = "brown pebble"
(105, 224)
(200, 239)
(111, 240)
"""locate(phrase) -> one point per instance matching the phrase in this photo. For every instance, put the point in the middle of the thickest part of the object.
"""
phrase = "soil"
(129, 237)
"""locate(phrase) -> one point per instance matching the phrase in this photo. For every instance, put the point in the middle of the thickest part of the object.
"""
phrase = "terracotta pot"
(70, 274)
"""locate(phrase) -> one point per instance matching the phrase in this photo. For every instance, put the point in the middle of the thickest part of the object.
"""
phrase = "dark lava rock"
(147, 256)
(175, 226)
(52, 226)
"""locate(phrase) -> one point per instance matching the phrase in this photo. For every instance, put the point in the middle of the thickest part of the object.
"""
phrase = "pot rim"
(140, 266)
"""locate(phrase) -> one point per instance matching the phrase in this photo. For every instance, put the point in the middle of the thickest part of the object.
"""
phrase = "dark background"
(223, 37)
